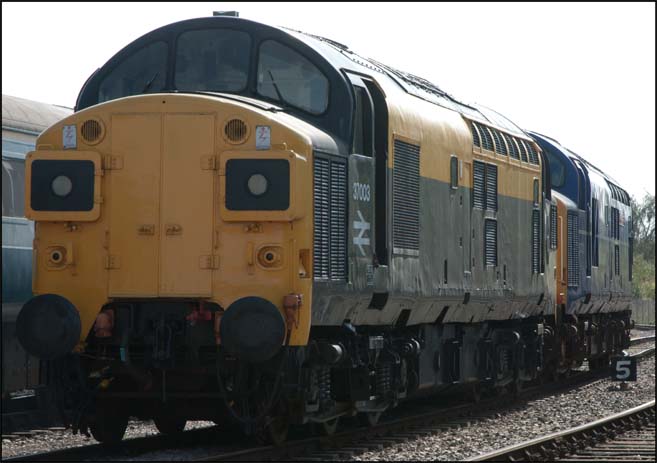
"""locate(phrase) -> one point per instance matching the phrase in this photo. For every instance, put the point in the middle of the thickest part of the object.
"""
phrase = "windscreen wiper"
(278, 92)
(150, 82)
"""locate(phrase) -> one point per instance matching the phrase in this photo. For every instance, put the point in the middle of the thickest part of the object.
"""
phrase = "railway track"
(353, 442)
(626, 436)
(642, 340)
(644, 327)
(342, 445)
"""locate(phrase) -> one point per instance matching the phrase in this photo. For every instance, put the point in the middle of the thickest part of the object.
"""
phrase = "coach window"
(13, 188)
(143, 72)
(286, 76)
(213, 60)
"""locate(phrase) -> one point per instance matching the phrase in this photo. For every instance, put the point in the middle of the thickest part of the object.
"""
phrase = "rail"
(553, 445)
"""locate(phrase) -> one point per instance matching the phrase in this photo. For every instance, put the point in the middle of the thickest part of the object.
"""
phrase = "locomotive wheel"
(109, 426)
(169, 424)
(329, 427)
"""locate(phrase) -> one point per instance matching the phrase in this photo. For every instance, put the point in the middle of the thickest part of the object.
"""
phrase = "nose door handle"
(173, 229)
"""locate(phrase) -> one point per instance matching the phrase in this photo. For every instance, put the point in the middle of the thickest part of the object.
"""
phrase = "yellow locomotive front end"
(168, 225)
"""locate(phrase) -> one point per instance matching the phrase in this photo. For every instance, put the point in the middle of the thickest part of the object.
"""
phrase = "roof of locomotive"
(568, 155)
(336, 55)
(341, 57)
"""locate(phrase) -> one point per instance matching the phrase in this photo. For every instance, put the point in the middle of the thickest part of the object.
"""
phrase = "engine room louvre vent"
(573, 249)
(479, 190)
(491, 187)
(513, 149)
(236, 131)
(500, 147)
(406, 196)
(523, 149)
(490, 242)
(475, 136)
(91, 131)
(486, 138)
(330, 234)
(533, 154)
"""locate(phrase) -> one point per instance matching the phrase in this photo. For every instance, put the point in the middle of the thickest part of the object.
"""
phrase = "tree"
(643, 272)
(643, 218)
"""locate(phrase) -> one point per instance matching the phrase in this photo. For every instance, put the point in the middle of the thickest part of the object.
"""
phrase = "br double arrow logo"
(361, 226)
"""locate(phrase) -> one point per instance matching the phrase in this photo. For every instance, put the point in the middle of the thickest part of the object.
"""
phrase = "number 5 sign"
(623, 369)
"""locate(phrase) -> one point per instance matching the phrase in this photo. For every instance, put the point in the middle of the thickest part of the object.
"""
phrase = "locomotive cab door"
(368, 251)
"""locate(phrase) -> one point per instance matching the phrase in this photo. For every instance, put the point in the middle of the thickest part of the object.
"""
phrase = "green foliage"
(643, 278)
(643, 221)
(643, 270)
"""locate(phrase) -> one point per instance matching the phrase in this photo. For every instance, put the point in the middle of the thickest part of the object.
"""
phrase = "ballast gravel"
(547, 415)
(64, 438)
(551, 414)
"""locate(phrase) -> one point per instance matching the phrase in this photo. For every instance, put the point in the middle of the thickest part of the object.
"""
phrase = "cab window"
(213, 60)
(286, 76)
(143, 72)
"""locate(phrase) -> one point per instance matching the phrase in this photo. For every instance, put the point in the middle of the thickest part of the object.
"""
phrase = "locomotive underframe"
(159, 363)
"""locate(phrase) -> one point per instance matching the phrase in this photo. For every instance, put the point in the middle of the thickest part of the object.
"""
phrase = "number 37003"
(361, 192)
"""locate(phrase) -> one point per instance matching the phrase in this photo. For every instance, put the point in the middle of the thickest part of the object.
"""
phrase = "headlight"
(61, 186)
(257, 184)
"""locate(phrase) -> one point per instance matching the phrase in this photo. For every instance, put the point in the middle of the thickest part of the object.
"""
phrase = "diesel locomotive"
(254, 224)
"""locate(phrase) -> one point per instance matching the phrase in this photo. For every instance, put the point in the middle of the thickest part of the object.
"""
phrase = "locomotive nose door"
(160, 235)
(187, 198)
(134, 205)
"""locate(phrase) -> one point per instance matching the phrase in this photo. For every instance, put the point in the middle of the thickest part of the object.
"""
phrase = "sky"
(582, 73)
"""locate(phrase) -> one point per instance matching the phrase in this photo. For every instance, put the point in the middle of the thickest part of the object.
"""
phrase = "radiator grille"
(553, 227)
(338, 219)
(330, 235)
(536, 233)
(406, 196)
(490, 242)
(594, 231)
(616, 260)
(573, 249)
